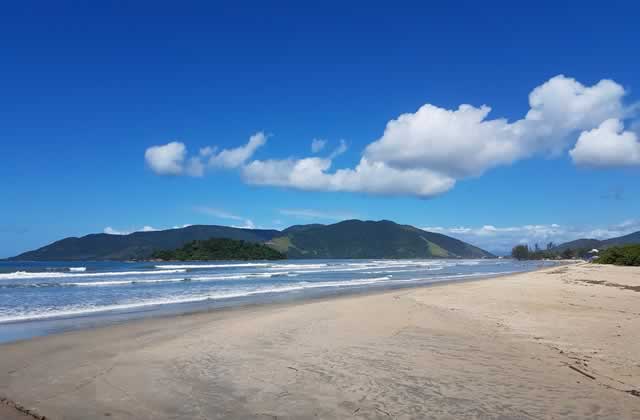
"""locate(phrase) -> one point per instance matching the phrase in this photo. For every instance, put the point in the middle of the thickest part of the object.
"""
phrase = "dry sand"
(557, 343)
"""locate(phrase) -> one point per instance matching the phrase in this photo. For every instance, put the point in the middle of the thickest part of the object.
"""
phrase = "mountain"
(102, 246)
(358, 239)
(347, 239)
(632, 238)
(578, 244)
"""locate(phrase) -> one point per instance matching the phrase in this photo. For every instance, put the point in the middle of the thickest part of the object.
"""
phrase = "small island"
(219, 249)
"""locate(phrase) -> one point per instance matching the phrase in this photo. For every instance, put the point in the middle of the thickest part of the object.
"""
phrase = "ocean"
(39, 298)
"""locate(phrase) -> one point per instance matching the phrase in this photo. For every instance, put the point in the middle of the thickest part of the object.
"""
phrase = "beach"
(561, 342)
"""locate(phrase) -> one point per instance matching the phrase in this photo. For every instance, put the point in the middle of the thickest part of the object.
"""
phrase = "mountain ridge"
(631, 238)
(346, 239)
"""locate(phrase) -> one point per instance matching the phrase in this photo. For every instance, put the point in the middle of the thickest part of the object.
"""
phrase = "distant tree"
(220, 249)
(536, 247)
(567, 254)
(550, 246)
(520, 252)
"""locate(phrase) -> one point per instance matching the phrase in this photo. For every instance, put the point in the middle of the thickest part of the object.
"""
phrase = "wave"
(298, 266)
(85, 310)
(50, 275)
(77, 269)
(196, 266)
(180, 280)
(247, 276)
(228, 294)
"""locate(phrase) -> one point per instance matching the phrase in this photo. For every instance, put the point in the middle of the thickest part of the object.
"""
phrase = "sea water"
(38, 298)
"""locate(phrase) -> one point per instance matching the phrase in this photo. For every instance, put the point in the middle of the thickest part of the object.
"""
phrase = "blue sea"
(38, 298)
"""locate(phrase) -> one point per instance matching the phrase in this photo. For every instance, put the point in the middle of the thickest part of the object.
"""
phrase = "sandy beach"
(556, 343)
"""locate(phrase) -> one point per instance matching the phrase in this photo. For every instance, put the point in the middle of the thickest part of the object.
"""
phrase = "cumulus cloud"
(501, 239)
(608, 145)
(167, 159)
(317, 145)
(172, 158)
(233, 158)
(369, 177)
(424, 153)
(465, 142)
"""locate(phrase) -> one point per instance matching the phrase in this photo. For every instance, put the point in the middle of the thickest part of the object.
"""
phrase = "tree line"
(219, 249)
(621, 255)
(524, 252)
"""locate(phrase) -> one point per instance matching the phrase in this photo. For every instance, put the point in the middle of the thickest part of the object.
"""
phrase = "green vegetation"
(620, 255)
(138, 245)
(523, 252)
(220, 249)
(520, 252)
(348, 239)
(369, 239)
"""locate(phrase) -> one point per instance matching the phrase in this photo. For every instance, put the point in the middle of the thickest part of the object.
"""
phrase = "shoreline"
(28, 329)
(454, 339)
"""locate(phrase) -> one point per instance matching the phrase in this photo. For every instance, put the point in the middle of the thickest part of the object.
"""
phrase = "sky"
(492, 122)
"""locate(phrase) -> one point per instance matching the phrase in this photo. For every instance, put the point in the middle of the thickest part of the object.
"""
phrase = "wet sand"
(557, 343)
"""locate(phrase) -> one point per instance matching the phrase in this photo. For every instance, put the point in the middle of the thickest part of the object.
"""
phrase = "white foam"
(297, 266)
(248, 276)
(85, 310)
(77, 269)
(32, 275)
(192, 266)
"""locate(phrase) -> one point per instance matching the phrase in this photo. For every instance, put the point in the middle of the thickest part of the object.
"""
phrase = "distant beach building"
(593, 254)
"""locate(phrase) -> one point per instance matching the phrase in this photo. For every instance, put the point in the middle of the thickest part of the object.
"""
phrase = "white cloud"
(233, 158)
(316, 214)
(223, 214)
(369, 177)
(608, 145)
(464, 142)
(342, 147)
(180, 227)
(208, 151)
(317, 145)
(502, 239)
(248, 224)
(424, 153)
(167, 159)
(172, 158)
(111, 231)
(219, 213)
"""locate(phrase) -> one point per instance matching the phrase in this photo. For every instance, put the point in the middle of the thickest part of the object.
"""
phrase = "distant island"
(219, 249)
(347, 239)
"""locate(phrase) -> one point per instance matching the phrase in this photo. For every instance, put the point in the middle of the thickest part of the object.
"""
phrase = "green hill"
(630, 239)
(348, 239)
(383, 239)
(220, 249)
(138, 245)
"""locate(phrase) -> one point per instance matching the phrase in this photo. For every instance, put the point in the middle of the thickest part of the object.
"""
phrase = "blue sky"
(88, 90)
